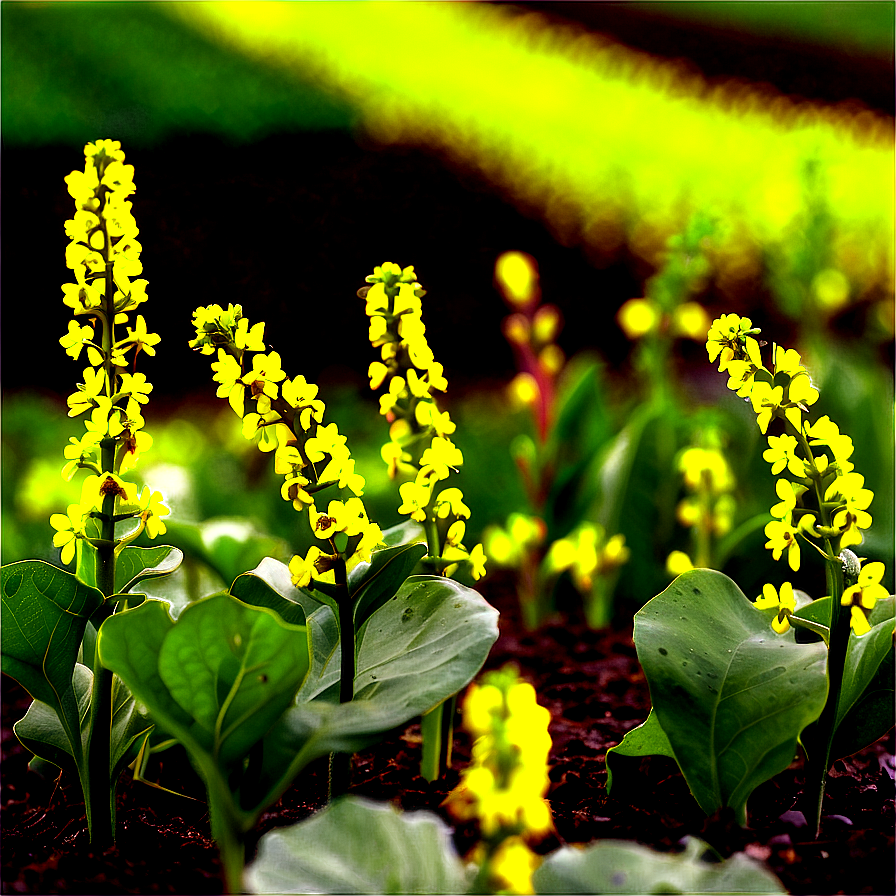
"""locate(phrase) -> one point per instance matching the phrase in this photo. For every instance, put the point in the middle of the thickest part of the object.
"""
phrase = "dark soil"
(593, 686)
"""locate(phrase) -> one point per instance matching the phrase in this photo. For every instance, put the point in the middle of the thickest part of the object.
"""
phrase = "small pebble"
(794, 817)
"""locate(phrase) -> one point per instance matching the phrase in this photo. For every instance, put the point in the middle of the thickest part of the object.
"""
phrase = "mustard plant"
(82, 718)
(419, 446)
(419, 431)
(320, 656)
(730, 699)
(555, 535)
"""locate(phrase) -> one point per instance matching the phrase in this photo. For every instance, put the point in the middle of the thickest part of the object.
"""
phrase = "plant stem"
(227, 834)
(341, 763)
(819, 759)
(99, 796)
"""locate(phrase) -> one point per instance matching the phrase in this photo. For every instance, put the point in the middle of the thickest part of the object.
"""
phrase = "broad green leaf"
(231, 668)
(217, 679)
(41, 731)
(421, 647)
(648, 739)
(45, 612)
(865, 709)
(355, 845)
(619, 867)
(370, 585)
(270, 585)
(731, 695)
(134, 564)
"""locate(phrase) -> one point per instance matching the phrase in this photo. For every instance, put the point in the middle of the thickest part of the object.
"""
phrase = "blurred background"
(284, 149)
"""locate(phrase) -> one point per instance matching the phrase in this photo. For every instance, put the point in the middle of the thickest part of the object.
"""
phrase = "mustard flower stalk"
(104, 255)
(420, 443)
(822, 501)
(531, 329)
(707, 508)
(284, 416)
(504, 787)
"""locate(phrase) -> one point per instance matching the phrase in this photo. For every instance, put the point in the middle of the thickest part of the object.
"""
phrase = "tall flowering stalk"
(707, 508)
(285, 417)
(104, 255)
(419, 432)
(555, 539)
(504, 787)
(822, 502)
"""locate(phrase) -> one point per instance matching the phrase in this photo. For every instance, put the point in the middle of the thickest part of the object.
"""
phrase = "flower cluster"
(419, 433)
(588, 555)
(504, 787)
(708, 507)
(821, 499)
(104, 255)
(285, 416)
(531, 331)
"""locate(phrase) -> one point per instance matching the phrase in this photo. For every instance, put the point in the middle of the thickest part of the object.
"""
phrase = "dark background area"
(290, 224)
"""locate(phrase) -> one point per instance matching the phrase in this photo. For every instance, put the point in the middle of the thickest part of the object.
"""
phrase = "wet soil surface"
(594, 688)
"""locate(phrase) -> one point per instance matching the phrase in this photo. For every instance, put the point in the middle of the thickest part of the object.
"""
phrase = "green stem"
(99, 797)
(228, 836)
(341, 763)
(819, 759)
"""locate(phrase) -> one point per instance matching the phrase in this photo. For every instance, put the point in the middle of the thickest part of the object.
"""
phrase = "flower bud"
(516, 275)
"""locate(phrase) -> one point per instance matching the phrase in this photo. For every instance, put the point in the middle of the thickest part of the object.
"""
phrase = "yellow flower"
(152, 508)
(414, 498)
(441, 457)
(781, 454)
(784, 602)
(638, 317)
(326, 440)
(782, 537)
(862, 596)
(139, 337)
(766, 400)
(85, 397)
(512, 866)
(228, 373)
(302, 569)
(516, 274)
(677, 563)
(69, 528)
(727, 340)
(788, 494)
(450, 500)
(74, 341)
(477, 562)
(853, 502)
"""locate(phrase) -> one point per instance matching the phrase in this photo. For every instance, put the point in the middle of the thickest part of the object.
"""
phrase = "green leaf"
(370, 585)
(134, 564)
(270, 585)
(648, 739)
(865, 709)
(45, 612)
(355, 845)
(41, 731)
(228, 668)
(618, 867)
(731, 695)
(421, 647)
(229, 545)
(408, 532)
